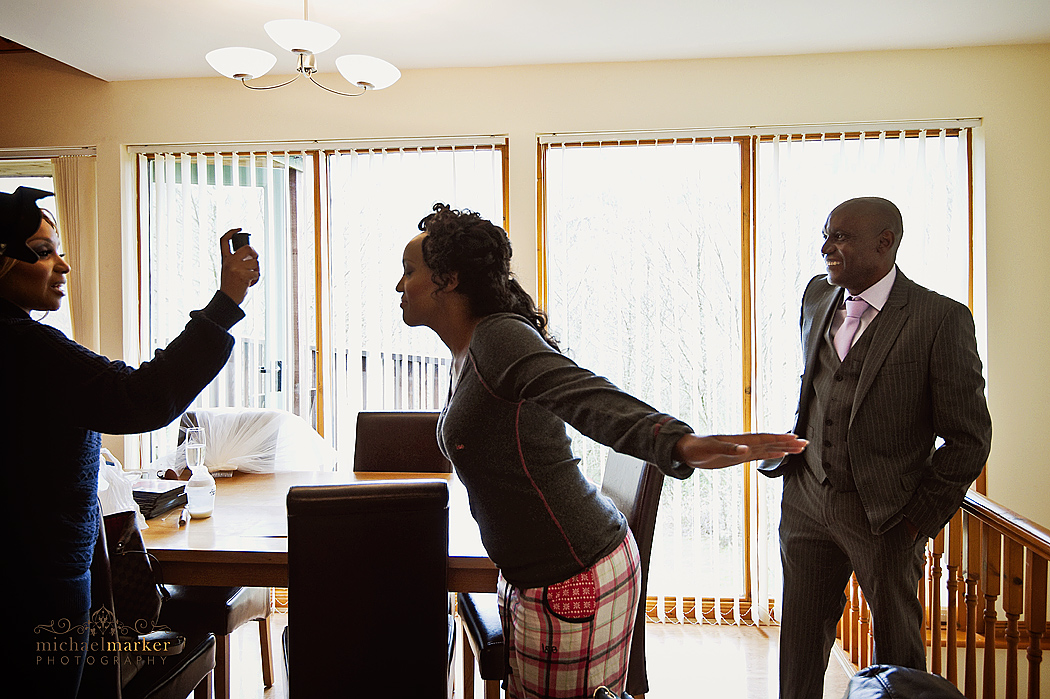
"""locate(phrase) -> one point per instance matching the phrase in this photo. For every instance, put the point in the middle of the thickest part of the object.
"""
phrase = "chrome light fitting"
(305, 39)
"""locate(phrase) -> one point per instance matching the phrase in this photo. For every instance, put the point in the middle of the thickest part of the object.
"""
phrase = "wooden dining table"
(245, 541)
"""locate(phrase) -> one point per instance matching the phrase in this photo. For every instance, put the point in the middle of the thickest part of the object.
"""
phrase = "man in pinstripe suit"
(882, 383)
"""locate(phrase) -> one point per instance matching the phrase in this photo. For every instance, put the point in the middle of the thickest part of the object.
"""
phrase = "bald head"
(861, 238)
(877, 213)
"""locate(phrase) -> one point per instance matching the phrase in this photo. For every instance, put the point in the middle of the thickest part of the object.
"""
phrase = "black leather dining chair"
(634, 486)
(398, 441)
(482, 644)
(404, 442)
(368, 593)
(221, 611)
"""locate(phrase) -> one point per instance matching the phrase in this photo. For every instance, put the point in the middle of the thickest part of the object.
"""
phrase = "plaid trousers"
(566, 639)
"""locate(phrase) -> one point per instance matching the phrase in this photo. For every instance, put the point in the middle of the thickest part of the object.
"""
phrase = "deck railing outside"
(985, 589)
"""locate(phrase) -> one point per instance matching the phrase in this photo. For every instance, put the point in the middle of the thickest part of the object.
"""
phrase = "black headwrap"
(19, 219)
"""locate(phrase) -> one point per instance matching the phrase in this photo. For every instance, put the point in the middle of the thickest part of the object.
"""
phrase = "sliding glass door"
(675, 265)
(377, 199)
(193, 199)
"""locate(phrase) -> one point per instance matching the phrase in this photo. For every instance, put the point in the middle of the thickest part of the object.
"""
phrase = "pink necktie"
(855, 308)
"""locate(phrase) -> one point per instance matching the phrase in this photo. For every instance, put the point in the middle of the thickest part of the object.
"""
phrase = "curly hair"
(478, 252)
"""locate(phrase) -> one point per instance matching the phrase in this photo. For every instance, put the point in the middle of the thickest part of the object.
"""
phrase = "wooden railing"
(403, 381)
(984, 596)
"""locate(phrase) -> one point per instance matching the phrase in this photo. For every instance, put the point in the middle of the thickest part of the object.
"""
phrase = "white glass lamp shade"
(367, 71)
(241, 63)
(301, 36)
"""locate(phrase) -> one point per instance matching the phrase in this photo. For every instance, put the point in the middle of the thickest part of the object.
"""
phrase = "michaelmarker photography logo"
(103, 640)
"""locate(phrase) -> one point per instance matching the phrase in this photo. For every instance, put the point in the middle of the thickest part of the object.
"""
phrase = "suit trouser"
(824, 537)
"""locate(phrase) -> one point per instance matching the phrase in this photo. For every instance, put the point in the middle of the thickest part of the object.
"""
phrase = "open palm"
(720, 451)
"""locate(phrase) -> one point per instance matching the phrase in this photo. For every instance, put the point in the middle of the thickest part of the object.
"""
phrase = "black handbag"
(136, 594)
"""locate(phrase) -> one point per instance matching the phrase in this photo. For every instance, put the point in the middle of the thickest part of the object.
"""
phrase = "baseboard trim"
(840, 658)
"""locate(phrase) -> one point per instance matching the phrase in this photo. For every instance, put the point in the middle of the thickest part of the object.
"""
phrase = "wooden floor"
(734, 662)
(728, 662)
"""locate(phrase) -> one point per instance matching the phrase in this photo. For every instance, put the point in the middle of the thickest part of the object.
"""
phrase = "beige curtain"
(75, 196)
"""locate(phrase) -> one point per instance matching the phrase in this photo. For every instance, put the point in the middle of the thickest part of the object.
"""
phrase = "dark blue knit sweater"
(57, 397)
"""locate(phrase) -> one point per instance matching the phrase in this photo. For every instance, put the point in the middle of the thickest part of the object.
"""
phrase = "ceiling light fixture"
(305, 39)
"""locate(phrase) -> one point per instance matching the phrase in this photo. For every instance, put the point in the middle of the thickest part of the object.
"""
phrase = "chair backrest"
(388, 441)
(367, 589)
(634, 486)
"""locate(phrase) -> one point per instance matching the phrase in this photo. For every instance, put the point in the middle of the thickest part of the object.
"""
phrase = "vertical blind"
(377, 198)
(323, 336)
(187, 201)
(643, 252)
(800, 178)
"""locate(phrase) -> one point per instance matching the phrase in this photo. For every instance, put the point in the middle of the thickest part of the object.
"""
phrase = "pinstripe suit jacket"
(921, 379)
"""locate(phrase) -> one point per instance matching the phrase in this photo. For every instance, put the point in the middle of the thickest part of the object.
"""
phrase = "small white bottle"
(200, 493)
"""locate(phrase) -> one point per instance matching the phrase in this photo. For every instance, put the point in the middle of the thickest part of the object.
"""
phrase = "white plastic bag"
(114, 488)
(253, 440)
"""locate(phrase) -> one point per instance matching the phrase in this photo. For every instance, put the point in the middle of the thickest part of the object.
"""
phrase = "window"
(643, 286)
(323, 336)
(675, 266)
(192, 198)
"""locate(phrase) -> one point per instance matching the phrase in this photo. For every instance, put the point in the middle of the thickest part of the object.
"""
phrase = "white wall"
(48, 104)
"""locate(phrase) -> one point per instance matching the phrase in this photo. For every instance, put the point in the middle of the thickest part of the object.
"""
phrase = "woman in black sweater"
(57, 397)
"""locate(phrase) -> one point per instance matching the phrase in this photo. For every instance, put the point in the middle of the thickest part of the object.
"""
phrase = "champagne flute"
(195, 444)
(200, 488)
